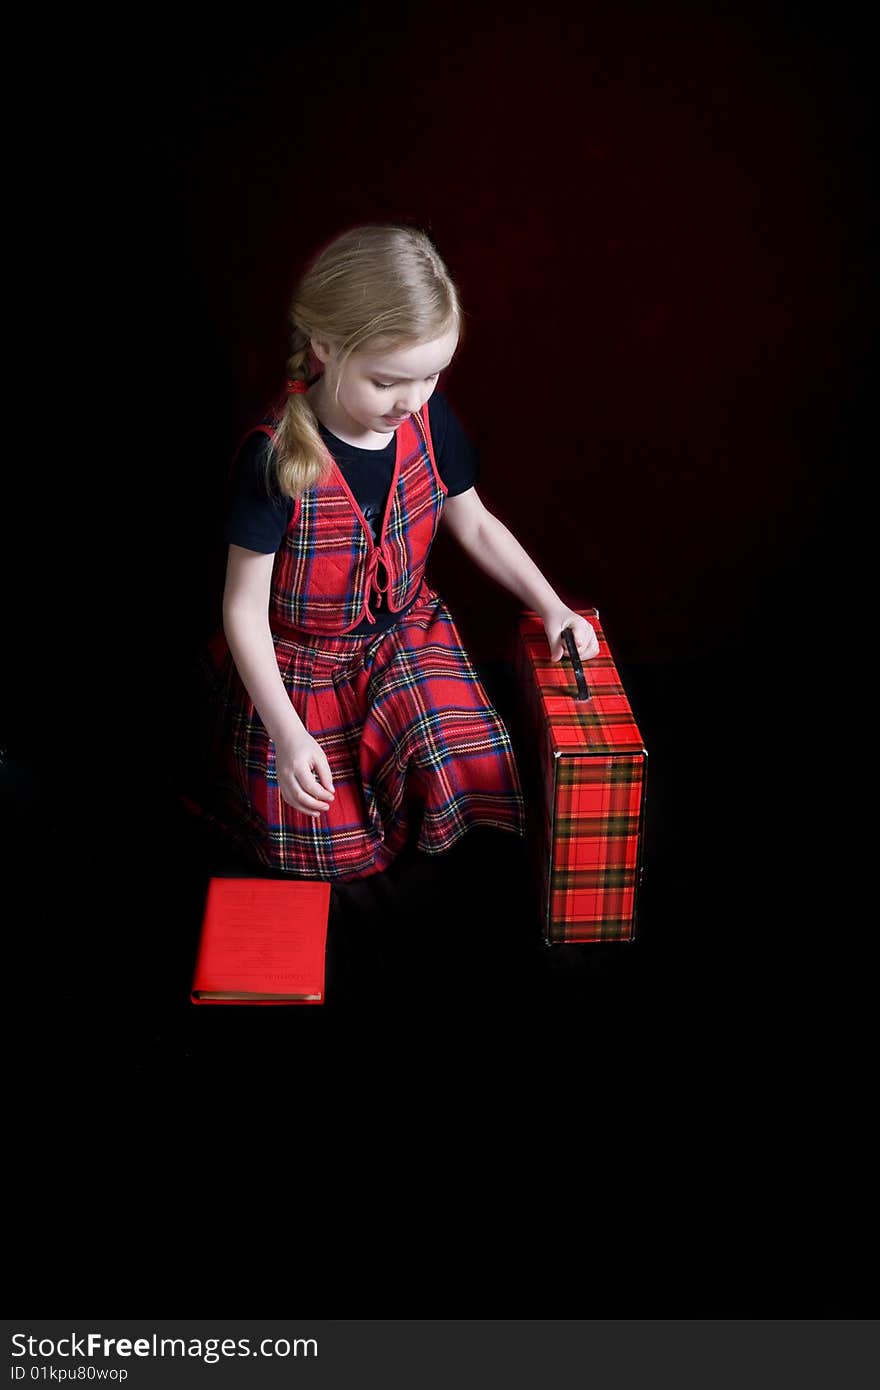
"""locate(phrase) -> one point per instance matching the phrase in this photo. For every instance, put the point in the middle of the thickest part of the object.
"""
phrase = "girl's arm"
(497, 551)
(301, 765)
(246, 625)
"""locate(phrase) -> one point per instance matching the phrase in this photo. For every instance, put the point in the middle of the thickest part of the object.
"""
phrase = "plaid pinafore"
(407, 728)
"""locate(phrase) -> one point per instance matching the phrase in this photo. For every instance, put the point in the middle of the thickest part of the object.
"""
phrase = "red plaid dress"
(407, 728)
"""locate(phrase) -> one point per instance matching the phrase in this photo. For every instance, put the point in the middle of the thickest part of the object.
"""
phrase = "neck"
(336, 420)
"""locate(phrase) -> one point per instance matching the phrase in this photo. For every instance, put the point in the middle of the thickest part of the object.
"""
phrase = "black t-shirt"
(257, 516)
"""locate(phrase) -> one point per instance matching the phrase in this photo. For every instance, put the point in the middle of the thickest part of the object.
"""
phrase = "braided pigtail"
(299, 363)
(299, 458)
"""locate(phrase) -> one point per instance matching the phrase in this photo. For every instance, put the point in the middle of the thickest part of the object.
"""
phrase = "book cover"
(263, 941)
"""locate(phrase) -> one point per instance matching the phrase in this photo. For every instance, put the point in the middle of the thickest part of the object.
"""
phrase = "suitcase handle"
(583, 690)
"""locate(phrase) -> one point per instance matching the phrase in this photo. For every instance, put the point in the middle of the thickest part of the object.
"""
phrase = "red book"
(263, 941)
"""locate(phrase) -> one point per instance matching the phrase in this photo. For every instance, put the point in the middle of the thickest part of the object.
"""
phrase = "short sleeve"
(257, 515)
(458, 460)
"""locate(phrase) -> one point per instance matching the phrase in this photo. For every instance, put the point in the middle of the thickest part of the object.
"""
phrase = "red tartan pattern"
(407, 728)
(586, 839)
(328, 567)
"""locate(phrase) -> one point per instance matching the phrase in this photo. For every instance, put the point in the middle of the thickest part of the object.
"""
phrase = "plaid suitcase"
(585, 770)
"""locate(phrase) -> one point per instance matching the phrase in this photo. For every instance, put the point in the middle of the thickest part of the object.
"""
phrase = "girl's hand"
(585, 638)
(304, 774)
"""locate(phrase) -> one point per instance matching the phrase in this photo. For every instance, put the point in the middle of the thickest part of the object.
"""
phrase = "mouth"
(394, 419)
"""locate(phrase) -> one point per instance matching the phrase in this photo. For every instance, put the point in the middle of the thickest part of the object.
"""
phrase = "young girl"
(349, 719)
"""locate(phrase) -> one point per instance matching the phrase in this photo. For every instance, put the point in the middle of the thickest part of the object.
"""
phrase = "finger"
(297, 803)
(312, 809)
(304, 801)
(307, 777)
(321, 770)
(315, 788)
(557, 646)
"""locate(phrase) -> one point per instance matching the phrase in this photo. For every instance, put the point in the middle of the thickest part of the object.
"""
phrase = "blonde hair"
(382, 285)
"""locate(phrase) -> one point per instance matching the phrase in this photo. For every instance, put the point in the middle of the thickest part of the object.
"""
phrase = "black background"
(659, 225)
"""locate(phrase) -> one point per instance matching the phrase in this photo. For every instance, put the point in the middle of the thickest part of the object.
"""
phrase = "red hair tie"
(294, 388)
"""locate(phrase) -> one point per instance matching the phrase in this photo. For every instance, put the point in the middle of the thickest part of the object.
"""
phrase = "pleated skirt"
(417, 753)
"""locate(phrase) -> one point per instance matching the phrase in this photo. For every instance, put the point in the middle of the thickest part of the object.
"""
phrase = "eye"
(387, 385)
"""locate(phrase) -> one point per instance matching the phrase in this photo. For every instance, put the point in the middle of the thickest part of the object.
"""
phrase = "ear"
(323, 349)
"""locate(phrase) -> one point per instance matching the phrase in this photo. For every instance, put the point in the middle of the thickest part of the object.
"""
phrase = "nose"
(407, 407)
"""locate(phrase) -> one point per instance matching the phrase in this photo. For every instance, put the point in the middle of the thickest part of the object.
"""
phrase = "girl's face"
(379, 390)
